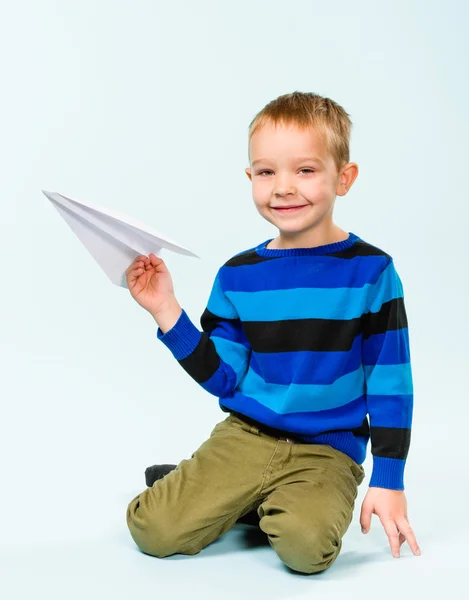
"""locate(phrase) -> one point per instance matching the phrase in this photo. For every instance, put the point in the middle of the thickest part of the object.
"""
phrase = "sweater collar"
(314, 251)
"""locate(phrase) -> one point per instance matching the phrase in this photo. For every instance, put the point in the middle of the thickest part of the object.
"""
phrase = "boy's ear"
(248, 173)
(346, 178)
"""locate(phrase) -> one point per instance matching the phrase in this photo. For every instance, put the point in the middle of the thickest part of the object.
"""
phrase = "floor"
(241, 564)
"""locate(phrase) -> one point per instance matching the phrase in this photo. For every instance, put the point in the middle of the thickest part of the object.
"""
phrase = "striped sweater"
(311, 341)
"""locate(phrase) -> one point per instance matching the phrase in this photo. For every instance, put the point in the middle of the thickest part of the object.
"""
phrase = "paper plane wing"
(112, 238)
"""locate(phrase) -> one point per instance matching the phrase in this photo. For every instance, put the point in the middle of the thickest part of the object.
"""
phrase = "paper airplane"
(113, 239)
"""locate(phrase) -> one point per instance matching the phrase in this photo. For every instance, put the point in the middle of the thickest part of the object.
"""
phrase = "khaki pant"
(304, 495)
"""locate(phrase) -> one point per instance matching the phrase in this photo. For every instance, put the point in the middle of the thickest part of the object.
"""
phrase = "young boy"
(303, 336)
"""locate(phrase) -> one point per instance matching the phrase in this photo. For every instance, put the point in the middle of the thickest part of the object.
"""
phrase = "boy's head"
(299, 163)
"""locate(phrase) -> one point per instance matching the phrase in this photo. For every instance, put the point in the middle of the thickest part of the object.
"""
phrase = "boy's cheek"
(263, 211)
(259, 204)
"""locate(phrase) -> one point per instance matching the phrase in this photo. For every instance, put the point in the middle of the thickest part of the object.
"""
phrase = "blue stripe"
(387, 348)
(303, 272)
(284, 399)
(385, 380)
(390, 411)
(348, 416)
(307, 367)
(303, 303)
(388, 287)
(218, 303)
(222, 382)
(235, 355)
(300, 303)
(231, 330)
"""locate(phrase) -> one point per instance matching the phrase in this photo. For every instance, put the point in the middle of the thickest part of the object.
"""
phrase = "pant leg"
(204, 496)
(309, 505)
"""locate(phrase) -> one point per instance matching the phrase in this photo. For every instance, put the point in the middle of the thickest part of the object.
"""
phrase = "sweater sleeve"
(388, 375)
(218, 356)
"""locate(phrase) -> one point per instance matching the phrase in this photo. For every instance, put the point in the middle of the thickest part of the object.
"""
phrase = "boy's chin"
(288, 225)
(297, 234)
(293, 229)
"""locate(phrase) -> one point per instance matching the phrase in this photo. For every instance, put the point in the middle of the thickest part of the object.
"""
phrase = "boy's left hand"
(391, 508)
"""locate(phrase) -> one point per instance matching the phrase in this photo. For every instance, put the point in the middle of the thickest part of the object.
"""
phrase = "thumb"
(158, 262)
(365, 517)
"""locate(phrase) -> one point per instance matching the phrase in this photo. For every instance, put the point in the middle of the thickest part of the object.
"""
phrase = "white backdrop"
(144, 107)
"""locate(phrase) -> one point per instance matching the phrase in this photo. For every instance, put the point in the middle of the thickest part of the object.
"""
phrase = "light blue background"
(144, 107)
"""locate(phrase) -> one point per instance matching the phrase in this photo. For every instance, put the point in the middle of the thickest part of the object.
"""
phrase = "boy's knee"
(153, 531)
(305, 547)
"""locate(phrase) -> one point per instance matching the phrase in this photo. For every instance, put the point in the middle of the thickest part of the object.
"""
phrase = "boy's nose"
(284, 189)
(283, 186)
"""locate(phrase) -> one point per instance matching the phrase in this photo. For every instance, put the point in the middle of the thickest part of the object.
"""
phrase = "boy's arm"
(389, 387)
(216, 358)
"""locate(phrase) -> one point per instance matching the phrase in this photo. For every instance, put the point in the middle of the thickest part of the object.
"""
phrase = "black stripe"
(204, 360)
(210, 320)
(390, 442)
(392, 315)
(363, 430)
(231, 329)
(319, 335)
(248, 258)
(360, 248)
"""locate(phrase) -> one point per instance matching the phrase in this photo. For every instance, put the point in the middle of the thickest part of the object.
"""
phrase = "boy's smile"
(289, 209)
(295, 182)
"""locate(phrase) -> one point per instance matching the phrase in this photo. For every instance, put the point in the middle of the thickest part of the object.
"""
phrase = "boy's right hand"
(150, 283)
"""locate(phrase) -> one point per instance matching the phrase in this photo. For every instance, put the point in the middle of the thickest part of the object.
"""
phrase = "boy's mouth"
(287, 210)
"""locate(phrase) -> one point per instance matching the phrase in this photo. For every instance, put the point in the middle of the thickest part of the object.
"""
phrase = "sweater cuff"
(182, 338)
(388, 473)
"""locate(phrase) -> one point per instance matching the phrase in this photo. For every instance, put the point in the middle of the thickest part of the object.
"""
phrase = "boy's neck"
(309, 239)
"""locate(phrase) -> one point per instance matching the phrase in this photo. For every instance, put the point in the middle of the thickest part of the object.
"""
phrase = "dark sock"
(156, 472)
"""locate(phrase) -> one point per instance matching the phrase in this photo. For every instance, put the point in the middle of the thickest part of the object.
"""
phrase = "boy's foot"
(156, 472)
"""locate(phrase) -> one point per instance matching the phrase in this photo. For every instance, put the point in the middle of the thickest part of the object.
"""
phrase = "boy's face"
(295, 180)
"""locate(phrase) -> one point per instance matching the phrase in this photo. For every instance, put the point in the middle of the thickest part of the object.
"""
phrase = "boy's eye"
(265, 171)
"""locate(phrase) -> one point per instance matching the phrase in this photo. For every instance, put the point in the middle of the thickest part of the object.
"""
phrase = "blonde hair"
(309, 110)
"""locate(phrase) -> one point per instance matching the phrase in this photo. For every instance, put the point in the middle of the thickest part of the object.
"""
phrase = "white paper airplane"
(113, 239)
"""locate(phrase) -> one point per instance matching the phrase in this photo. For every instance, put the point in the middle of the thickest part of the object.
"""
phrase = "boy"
(303, 336)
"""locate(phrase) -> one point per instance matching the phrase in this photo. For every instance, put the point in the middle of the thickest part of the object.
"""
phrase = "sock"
(156, 472)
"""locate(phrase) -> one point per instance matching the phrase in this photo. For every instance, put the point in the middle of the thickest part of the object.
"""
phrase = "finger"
(365, 518)
(392, 532)
(401, 535)
(155, 260)
(135, 273)
(407, 531)
(131, 270)
(138, 262)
